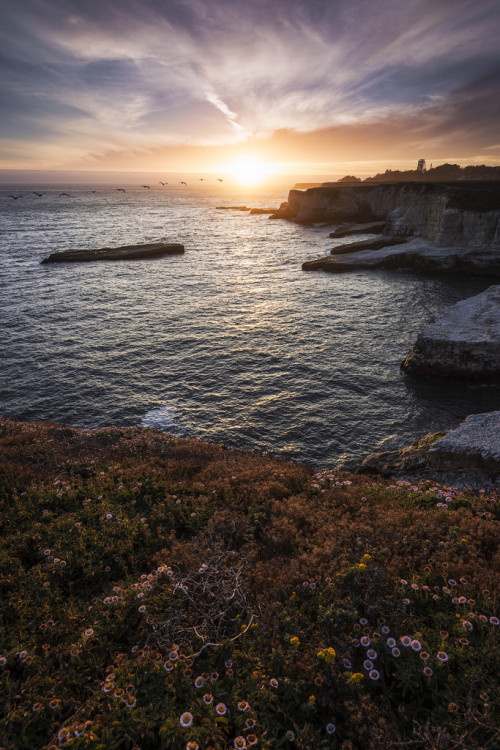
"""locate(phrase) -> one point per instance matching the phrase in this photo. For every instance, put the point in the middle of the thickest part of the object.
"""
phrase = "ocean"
(231, 342)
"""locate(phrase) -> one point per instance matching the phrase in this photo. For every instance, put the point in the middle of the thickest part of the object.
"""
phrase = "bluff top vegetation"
(159, 592)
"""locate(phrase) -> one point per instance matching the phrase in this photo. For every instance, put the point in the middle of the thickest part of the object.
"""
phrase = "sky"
(300, 86)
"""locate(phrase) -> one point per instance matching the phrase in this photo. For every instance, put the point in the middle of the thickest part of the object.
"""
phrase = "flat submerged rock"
(125, 252)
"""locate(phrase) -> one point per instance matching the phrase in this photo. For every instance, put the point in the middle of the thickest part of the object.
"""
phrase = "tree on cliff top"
(350, 178)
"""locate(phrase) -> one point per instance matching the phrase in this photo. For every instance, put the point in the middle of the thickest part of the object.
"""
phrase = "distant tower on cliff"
(421, 166)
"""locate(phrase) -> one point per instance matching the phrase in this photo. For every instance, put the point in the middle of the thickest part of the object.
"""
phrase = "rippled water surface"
(231, 342)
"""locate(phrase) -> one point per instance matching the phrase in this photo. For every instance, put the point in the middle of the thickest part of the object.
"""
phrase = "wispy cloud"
(134, 74)
(219, 104)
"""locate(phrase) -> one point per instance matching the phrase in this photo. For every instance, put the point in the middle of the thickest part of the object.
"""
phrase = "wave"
(162, 419)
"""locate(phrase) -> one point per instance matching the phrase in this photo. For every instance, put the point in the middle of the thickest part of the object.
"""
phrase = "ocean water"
(231, 343)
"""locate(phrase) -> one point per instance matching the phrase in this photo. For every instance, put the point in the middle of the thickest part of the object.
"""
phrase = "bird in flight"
(146, 186)
(39, 194)
(182, 183)
(15, 197)
(163, 183)
(220, 179)
(64, 194)
(120, 190)
(200, 179)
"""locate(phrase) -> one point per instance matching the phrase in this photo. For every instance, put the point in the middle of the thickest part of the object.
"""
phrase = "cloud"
(135, 74)
(219, 104)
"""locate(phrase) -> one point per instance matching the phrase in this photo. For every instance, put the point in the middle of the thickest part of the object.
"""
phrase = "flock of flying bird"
(200, 179)
(120, 190)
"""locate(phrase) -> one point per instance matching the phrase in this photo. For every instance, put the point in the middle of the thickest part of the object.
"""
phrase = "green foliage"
(165, 593)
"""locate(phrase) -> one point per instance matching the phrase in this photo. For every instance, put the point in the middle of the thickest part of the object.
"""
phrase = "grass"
(167, 593)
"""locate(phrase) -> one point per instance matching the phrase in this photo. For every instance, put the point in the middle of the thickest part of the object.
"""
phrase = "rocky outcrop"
(291, 207)
(461, 341)
(256, 211)
(416, 255)
(125, 252)
(467, 456)
(409, 460)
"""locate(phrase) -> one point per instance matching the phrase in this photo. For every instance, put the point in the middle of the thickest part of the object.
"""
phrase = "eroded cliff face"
(453, 214)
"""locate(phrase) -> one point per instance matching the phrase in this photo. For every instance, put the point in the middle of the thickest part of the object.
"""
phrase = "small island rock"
(125, 252)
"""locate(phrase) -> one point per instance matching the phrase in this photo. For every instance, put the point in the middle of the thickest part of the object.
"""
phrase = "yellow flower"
(327, 655)
(367, 557)
(356, 677)
(312, 698)
(294, 641)
(362, 566)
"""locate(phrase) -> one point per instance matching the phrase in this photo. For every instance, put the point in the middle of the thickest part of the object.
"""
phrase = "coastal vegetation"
(159, 592)
(440, 173)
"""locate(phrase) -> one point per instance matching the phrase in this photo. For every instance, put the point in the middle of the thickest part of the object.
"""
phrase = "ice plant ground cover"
(167, 593)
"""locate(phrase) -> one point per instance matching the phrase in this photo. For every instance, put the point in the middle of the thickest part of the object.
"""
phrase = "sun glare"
(248, 171)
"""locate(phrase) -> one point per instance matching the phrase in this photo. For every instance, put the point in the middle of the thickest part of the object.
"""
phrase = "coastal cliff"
(463, 214)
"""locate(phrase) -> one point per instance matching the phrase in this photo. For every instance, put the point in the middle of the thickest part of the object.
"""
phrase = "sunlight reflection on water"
(231, 342)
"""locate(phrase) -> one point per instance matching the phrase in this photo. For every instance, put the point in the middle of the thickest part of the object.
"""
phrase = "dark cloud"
(133, 74)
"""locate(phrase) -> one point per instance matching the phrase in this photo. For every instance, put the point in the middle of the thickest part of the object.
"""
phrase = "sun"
(248, 170)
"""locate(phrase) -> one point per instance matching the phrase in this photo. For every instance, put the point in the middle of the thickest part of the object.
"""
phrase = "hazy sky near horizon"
(191, 84)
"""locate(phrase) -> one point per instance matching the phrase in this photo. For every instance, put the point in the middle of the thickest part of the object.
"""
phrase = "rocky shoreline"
(450, 227)
(435, 228)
